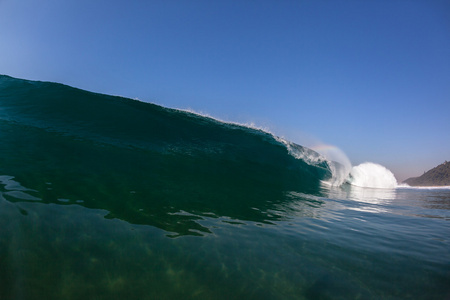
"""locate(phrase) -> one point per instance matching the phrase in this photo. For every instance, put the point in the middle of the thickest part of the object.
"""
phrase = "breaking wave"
(372, 175)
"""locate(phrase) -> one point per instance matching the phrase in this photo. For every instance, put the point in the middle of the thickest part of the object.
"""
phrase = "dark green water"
(104, 197)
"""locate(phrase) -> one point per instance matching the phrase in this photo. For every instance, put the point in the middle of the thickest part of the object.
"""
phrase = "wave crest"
(372, 175)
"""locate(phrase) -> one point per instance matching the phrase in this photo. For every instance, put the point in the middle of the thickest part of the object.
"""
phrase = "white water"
(372, 175)
(406, 186)
(367, 175)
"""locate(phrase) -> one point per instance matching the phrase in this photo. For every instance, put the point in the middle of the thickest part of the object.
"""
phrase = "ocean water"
(104, 197)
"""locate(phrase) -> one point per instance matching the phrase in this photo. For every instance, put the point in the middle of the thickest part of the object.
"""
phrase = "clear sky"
(370, 77)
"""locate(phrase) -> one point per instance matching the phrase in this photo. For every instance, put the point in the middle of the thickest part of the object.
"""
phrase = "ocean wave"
(142, 162)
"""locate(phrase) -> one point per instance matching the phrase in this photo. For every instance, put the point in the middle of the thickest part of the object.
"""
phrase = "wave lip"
(372, 175)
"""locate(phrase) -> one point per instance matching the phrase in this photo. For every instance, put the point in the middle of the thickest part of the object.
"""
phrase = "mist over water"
(339, 163)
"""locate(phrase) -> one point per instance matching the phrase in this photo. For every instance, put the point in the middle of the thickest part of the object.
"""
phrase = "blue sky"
(370, 77)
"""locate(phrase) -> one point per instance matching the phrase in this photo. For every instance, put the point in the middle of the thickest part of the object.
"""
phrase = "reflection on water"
(178, 215)
(374, 200)
(368, 195)
(302, 205)
(423, 202)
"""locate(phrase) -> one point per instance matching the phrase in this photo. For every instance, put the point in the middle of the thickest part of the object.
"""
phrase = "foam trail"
(406, 186)
(372, 175)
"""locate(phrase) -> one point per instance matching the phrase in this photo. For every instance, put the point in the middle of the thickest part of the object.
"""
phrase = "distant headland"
(438, 176)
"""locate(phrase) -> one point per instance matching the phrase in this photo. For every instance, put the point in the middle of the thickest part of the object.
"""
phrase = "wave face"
(142, 162)
(372, 175)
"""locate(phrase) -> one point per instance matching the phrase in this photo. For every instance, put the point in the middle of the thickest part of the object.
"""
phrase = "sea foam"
(372, 175)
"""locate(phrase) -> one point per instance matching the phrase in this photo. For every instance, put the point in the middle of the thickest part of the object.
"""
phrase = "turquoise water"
(104, 197)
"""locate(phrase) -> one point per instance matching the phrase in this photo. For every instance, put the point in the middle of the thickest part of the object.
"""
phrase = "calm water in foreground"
(343, 243)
